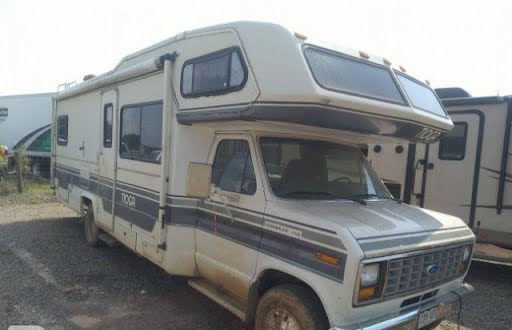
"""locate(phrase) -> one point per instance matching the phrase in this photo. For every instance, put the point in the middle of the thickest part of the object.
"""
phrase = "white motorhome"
(467, 173)
(22, 114)
(230, 155)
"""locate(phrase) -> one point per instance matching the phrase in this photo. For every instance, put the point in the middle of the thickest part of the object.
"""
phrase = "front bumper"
(409, 318)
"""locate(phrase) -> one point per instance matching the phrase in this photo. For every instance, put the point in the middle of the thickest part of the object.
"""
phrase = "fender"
(253, 296)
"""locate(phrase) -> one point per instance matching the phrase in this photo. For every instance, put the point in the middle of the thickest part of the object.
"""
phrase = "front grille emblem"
(432, 269)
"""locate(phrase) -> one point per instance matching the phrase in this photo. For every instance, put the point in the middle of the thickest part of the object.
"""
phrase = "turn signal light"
(328, 259)
(365, 293)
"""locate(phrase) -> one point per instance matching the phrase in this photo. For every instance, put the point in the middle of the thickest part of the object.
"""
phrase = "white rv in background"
(468, 173)
(230, 155)
(22, 114)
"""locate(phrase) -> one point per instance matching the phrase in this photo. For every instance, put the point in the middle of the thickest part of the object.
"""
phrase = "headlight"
(370, 275)
(467, 253)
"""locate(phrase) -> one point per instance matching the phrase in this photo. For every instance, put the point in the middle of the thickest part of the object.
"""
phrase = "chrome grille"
(410, 273)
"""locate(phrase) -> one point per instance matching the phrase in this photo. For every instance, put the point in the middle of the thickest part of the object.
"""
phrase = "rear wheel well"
(267, 280)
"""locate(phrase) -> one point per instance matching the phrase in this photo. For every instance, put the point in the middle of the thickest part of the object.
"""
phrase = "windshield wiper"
(306, 192)
(362, 197)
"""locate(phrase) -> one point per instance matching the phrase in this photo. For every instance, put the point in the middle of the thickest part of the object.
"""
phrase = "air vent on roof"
(451, 93)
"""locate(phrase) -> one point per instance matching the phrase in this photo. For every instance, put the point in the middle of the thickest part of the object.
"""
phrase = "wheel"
(290, 307)
(90, 228)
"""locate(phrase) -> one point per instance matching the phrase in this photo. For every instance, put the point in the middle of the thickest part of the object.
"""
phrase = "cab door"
(453, 167)
(106, 160)
(229, 222)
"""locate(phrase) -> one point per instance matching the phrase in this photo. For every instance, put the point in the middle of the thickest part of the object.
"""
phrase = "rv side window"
(233, 169)
(453, 145)
(107, 125)
(62, 130)
(141, 132)
(217, 73)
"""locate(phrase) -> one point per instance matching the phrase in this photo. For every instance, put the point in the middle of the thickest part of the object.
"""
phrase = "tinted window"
(233, 169)
(344, 74)
(141, 132)
(62, 130)
(218, 72)
(453, 145)
(42, 143)
(421, 96)
(107, 125)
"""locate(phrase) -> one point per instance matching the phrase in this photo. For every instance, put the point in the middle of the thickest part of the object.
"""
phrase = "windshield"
(307, 169)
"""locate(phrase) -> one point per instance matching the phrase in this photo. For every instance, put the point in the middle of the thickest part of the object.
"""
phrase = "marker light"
(428, 82)
(299, 36)
(386, 61)
(327, 258)
(402, 69)
(364, 54)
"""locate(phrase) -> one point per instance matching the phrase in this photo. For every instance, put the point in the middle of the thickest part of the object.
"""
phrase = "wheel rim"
(280, 319)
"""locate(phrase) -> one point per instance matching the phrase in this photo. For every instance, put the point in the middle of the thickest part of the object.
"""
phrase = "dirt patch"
(51, 278)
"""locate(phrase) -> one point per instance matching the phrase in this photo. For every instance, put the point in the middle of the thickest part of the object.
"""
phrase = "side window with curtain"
(233, 169)
(453, 145)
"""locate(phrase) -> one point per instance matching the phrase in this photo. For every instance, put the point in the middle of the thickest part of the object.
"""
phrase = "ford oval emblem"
(432, 269)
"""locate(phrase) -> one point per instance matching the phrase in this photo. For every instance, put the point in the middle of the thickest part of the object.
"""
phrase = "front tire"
(90, 228)
(290, 307)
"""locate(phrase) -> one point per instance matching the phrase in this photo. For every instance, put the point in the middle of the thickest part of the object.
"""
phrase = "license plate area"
(433, 314)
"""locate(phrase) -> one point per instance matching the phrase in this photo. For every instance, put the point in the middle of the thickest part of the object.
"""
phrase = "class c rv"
(230, 155)
(467, 173)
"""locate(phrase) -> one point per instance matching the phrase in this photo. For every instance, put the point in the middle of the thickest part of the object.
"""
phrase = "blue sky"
(450, 43)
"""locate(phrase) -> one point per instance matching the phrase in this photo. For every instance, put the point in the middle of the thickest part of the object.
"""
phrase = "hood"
(376, 219)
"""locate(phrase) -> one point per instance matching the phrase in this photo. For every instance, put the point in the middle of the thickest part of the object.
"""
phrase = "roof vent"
(451, 93)
(89, 76)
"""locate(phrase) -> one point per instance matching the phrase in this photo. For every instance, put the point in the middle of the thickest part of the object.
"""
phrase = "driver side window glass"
(233, 169)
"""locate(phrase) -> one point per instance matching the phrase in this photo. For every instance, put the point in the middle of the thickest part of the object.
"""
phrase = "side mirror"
(199, 178)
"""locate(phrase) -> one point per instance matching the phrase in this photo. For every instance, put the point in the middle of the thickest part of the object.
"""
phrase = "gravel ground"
(50, 277)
